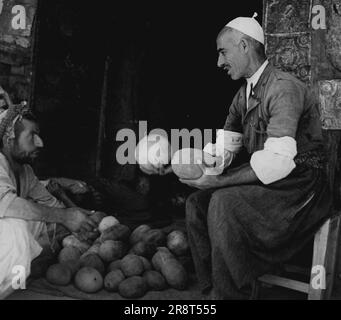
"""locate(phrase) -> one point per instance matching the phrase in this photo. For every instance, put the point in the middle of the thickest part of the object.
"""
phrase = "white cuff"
(227, 144)
(222, 160)
(228, 140)
(285, 146)
(270, 167)
(210, 148)
(276, 161)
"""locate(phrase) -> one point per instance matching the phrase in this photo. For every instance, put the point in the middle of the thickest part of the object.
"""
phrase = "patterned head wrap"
(9, 116)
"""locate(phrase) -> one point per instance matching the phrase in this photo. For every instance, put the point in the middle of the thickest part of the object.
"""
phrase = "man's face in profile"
(27, 142)
(232, 57)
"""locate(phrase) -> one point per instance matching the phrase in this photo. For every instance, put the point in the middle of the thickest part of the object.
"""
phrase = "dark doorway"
(163, 69)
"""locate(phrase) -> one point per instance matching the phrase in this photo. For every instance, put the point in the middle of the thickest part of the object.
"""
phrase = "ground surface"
(273, 294)
(41, 290)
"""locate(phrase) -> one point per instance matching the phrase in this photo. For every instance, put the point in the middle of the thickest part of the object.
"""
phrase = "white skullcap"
(248, 26)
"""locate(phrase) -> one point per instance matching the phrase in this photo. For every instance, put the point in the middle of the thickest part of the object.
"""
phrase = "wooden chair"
(324, 260)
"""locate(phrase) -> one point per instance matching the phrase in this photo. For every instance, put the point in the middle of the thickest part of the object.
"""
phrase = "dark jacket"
(280, 106)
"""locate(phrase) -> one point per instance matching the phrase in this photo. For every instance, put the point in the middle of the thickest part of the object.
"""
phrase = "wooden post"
(101, 122)
(325, 252)
(34, 54)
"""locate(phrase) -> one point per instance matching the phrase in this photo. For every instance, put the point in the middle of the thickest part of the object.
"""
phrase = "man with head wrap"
(25, 205)
(255, 216)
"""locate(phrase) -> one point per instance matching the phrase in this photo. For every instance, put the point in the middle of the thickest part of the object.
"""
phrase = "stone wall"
(17, 27)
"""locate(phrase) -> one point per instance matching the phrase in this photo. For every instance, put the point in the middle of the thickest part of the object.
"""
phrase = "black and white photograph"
(185, 152)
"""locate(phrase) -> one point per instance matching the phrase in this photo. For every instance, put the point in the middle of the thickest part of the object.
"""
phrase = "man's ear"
(7, 140)
(245, 44)
(4, 140)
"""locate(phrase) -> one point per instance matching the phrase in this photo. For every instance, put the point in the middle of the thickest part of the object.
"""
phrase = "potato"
(160, 256)
(73, 265)
(94, 249)
(88, 236)
(133, 287)
(155, 280)
(112, 250)
(97, 216)
(69, 253)
(143, 249)
(138, 233)
(88, 280)
(114, 265)
(59, 274)
(113, 279)
(174, 273)
(72, 241)
(97, 241)
(118, 232)
(177, 242)
(107, 222)
(185, 163)
(155, 237)
(93, 261)
(132, 265)
(146, 264)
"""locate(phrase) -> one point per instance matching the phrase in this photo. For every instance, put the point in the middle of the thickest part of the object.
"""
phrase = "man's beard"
(25, 157)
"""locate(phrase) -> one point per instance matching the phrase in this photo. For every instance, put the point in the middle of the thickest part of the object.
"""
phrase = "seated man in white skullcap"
(25, 205)
(257, 215)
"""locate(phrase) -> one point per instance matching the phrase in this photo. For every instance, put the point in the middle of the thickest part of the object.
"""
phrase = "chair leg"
(324, 260)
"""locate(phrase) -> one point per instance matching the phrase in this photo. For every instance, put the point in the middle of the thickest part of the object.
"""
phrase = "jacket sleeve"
(286, 104)
(8, 192)
(233, 121)
(276, 160)
(38, 193)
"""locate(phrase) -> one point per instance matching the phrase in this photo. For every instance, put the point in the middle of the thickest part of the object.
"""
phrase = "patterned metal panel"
(287, 16)
(291, 53)
(288, 36)
(333, 38)
(330, 103)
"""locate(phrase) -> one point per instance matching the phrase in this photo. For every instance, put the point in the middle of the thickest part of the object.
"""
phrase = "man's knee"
(192, 200)
(19, 228)
(18, 239)
(15, 250)
(17, 234)
(16, 223)
(218, 207)
(195, 203)
(191, 203)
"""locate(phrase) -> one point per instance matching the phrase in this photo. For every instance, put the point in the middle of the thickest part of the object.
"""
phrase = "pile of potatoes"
(118, 260)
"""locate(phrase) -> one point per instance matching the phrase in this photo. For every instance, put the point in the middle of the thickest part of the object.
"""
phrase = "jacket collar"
(256, 76)
(255, 97)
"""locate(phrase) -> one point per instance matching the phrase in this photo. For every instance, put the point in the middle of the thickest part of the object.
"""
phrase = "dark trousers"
(204, 228)
(238, 233)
